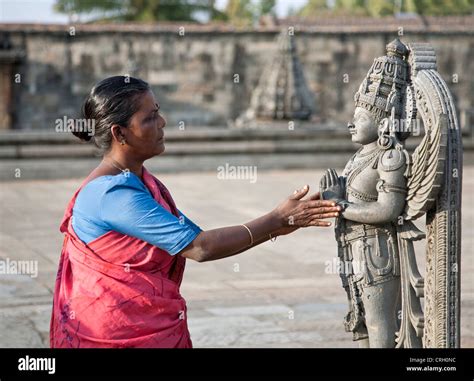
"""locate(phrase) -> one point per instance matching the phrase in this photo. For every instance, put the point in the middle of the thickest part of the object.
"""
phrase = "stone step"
(194, 133)
(63, 168)
(185, 148)
(23, 157)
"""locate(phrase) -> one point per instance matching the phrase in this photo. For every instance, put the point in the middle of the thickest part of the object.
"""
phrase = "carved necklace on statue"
(360, 154)
(356, 167)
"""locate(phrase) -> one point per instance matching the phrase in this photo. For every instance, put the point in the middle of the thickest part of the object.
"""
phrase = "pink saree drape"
(118, 291)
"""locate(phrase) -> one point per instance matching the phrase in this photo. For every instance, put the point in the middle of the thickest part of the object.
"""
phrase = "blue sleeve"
(187, 221)
(129, 208)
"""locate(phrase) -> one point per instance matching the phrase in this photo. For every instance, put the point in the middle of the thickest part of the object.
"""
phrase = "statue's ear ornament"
(387, 133)
(385, 140)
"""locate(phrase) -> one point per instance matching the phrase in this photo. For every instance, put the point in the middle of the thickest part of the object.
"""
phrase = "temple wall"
(193, 76)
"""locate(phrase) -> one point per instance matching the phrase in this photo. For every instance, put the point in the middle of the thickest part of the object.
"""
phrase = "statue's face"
(363, 128)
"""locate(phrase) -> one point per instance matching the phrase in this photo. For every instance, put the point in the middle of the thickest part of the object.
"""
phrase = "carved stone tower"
(282, 93)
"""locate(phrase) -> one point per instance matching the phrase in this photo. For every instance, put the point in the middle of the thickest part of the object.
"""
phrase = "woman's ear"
(117, 134)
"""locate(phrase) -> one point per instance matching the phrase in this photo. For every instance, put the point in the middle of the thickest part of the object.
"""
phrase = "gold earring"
(122, 142)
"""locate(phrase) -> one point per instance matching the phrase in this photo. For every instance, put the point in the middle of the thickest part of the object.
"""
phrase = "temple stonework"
(193, 74)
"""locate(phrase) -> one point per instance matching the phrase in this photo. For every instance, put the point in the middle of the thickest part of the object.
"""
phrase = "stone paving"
(279, 294)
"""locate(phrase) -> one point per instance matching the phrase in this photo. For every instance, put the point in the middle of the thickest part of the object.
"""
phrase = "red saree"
(118, 291)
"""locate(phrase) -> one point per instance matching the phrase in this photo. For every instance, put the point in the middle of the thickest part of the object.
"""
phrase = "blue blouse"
(124, 204)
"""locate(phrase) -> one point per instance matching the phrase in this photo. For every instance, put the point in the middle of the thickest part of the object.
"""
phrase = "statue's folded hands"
(332, 186)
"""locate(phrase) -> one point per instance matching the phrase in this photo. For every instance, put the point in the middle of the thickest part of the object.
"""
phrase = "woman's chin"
(160, 149)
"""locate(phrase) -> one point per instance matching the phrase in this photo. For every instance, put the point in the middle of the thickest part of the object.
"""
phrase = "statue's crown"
(396, 48)
(385, 82)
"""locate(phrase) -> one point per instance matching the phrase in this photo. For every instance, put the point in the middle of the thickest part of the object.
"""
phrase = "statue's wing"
(434, 189)
(427, 169)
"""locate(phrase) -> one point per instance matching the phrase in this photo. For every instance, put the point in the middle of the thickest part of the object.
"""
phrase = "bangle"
(250, 233)
(273, 239)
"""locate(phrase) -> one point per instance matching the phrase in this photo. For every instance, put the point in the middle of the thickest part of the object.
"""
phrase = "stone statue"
(383, 189)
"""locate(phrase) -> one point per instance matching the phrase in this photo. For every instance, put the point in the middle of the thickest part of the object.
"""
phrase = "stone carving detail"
(383, 189)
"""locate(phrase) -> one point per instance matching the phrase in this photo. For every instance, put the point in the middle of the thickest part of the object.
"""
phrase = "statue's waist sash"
(355, 230)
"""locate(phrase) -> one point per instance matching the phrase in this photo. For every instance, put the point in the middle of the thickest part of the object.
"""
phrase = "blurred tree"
(324, 8)
(377, 8)
(443, 7)
(265, 7)
(140, 10)
(246, 12)
(239, 12)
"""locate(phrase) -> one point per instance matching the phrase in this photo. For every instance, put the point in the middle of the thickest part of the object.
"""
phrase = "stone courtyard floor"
(276, 295)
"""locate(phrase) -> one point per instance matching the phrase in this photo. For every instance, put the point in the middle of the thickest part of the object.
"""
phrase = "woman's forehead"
(148, 102)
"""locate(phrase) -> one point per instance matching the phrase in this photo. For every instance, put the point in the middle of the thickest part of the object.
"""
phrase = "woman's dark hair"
(111, 101)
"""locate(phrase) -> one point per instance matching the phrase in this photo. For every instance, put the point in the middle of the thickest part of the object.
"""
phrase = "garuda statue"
(384, 188)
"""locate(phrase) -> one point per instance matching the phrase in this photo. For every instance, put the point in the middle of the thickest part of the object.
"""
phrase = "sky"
(41, 11)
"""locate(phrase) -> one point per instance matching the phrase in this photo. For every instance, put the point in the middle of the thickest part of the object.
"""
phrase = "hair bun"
(112, 101)
(83, 135)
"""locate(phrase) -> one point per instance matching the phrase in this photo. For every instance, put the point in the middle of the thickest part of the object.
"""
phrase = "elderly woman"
(126, 242)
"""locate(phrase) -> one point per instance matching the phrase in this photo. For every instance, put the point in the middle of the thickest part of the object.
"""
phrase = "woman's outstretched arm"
(290, 215)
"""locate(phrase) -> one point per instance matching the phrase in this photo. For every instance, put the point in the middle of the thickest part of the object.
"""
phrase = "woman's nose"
(163, 123)
(350, 125)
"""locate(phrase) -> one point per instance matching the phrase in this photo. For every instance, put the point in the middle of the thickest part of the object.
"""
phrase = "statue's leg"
(354, 319)
(381, 304)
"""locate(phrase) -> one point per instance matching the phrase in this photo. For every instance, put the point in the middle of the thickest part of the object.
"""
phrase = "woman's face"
(145, 134)
(363, 128)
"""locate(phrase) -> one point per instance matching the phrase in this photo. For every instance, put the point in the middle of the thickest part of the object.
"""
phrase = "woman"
(126, 242)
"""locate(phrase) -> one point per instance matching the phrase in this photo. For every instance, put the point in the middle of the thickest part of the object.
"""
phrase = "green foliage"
(240, 12)
(139, 10)
(245, 12)
(444, 7)
(265, 7)
(378, 8)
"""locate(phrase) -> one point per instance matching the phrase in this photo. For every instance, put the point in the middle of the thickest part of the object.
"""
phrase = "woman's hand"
(295, 212)
(284, 231)
(291, 214)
